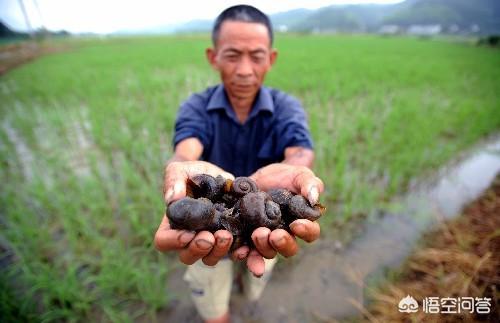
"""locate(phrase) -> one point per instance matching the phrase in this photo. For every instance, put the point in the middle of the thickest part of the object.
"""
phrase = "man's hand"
(191, 246)
(300, 180)
(178, 172)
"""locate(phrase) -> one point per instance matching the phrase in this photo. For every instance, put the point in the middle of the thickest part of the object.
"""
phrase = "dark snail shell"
(191, 214)
(203, 185)
(257, 209)
(281, 196)
(300, 208)
(243, 185)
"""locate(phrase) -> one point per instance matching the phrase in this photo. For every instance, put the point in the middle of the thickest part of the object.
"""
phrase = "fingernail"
(186, 237)
(169, 195)
(177, 189)
(262, 240)
(203, 244)
(279, 243)
(297, 227)
(222, 242)
(313, 195)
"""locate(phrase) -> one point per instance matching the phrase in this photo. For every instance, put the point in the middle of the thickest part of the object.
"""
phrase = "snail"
(215, 203)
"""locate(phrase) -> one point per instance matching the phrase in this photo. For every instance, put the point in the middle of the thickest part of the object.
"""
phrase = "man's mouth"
(243, 85)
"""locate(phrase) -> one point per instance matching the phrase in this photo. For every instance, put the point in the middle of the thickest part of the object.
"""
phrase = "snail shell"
(257, 209)
(192, 214)
(243, 185)
(203, 185)
(300, 208)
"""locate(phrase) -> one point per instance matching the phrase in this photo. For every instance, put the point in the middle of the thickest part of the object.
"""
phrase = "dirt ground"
(459, 259)
(13, 55)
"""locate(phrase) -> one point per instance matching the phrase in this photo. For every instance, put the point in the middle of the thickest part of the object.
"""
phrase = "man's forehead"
(234, 32)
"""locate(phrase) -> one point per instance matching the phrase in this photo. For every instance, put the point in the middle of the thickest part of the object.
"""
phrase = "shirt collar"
(219, 100)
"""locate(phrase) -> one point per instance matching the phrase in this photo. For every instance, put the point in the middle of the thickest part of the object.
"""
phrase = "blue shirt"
(276, 121)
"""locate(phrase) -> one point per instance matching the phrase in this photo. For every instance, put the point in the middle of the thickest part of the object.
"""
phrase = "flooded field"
(85, 133)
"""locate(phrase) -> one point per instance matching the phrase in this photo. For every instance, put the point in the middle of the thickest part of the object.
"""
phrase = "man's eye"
(232, 58)
(257, 58)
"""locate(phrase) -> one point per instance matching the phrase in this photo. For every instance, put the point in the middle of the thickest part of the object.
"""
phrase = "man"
(238, 128)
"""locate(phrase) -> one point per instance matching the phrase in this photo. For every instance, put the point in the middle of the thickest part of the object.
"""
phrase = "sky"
(106, 16)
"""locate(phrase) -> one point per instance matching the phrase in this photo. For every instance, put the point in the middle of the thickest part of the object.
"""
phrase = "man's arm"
(187, 149)
(190, 246)
(299, 156)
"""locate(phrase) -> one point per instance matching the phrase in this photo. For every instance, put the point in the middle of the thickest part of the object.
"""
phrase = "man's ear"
(211, 54)
(273, 56)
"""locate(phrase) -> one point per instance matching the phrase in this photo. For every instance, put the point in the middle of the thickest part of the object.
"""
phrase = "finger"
(223, 240)
(201, 246)
(311, 187)
(167, 239)
(284, 243)
(240, 253)
(256, 264)
(305, 229)
(260, 238)
(175, 182)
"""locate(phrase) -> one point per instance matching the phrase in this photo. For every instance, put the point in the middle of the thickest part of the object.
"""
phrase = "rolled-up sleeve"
(191, 122)
(292, 126)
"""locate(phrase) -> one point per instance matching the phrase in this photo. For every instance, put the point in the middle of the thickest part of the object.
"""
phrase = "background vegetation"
(84, 135)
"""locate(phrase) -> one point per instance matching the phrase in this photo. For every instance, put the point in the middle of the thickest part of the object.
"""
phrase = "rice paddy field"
(85, 133)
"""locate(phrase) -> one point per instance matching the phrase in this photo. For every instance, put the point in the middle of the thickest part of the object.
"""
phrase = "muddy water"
(325, 283)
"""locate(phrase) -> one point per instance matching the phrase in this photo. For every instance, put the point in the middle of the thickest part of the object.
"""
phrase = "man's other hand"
(300, 180)
(269, 243)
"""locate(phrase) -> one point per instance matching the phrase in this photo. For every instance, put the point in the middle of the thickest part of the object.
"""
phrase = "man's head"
(242, 50)
(242, 13)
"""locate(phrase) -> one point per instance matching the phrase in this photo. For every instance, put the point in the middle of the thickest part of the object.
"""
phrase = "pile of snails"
(215, 203)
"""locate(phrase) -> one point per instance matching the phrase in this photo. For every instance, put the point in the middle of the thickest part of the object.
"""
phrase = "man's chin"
(244, 94)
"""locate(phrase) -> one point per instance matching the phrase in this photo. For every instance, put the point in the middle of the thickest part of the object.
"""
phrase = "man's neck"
(242, 107)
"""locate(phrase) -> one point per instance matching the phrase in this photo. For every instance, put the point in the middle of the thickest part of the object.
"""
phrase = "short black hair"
(244, 13)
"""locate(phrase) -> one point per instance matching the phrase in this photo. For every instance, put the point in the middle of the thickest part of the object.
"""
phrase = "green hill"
(462, 13)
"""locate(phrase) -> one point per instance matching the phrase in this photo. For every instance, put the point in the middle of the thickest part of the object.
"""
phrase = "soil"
(13, 55)
(459, 259)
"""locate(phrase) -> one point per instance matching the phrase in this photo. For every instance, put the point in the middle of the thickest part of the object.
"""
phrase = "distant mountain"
(6, 32)
(462, 13)
(484, 15)
(290, 18)
(345, 18)
(195, 26)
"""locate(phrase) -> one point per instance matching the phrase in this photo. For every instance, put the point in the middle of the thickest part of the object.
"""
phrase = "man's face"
(243, 56)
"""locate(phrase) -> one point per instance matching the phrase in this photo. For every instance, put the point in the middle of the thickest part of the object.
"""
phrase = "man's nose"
(244, 67)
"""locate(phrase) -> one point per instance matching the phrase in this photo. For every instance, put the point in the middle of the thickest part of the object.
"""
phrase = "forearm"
(177, 158)
(299, 156)
(189, 149)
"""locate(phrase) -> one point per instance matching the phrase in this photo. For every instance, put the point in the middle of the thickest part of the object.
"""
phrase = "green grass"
(84, 135)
